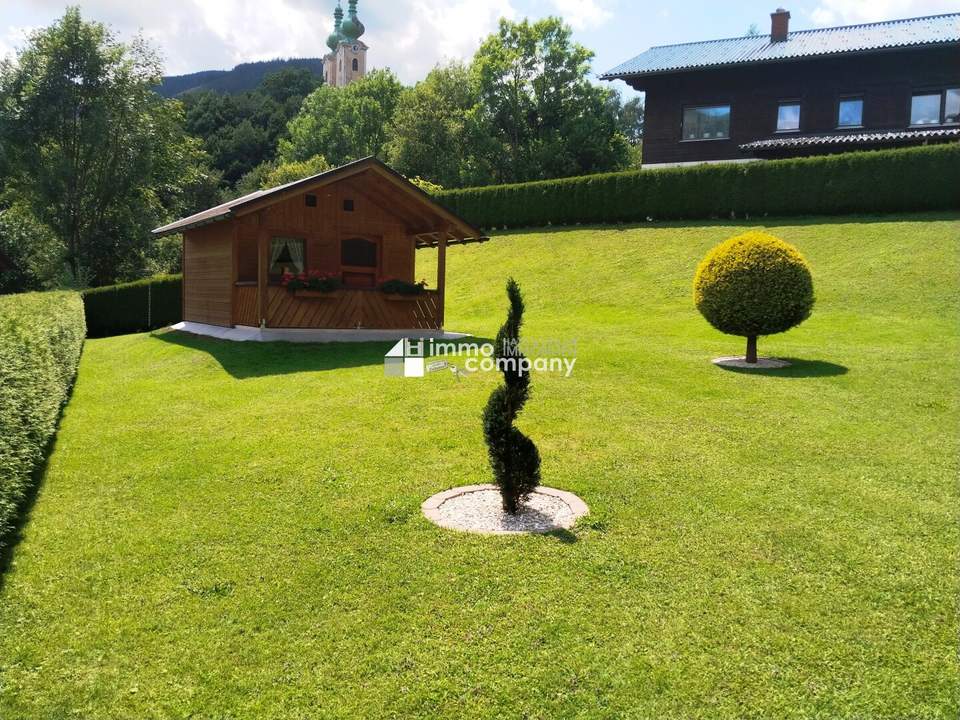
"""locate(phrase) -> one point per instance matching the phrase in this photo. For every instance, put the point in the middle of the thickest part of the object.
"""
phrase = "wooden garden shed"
(360, 224)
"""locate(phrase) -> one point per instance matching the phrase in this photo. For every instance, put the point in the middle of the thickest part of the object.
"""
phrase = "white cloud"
(582, 14)
(409, 36)
(849, 12)
(13, 38)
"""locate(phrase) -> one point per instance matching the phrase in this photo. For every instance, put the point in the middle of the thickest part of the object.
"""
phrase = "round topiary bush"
(753, 284)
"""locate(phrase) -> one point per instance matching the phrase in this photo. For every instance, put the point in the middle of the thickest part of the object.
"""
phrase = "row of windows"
(358, 259)
(712, 122)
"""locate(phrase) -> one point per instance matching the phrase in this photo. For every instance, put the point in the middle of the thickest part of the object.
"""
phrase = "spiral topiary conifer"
(753, 284)
(513, 456)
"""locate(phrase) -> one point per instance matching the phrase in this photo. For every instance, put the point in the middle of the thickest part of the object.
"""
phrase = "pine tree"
(513, 456)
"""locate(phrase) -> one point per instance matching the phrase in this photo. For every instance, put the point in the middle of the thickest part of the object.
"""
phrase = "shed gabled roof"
(888, 35)
(464, 231)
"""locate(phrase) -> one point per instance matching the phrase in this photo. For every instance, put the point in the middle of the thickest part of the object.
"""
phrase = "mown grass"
(233, 530)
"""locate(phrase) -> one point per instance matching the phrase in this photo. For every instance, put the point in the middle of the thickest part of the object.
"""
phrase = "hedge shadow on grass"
(17, 531)
(261, 359)
(797, 369)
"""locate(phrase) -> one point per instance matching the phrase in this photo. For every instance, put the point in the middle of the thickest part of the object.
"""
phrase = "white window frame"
(799, 106)
(683, 114)
(863, 109)
(942, 118)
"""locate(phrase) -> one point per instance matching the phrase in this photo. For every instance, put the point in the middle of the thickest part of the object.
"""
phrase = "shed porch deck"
(243, 333)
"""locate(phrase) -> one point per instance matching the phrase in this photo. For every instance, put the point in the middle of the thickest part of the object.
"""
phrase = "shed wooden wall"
(208, 274)
(324, 226)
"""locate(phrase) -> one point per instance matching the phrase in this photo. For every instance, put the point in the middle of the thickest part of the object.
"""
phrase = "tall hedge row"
(900, 180)
(134, 307)
(41, 335)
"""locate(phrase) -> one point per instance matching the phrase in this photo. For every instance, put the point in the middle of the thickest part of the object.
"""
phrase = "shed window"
(706, 122)
(358, 252)
(850, 112)
(348, 205)
(940, 108)
(788, 117)
(286, 255)
(310, 200)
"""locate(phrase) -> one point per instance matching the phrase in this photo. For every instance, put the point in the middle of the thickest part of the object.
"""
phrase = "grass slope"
(233, 530)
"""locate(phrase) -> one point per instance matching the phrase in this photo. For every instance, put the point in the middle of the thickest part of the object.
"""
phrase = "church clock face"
(356, 48)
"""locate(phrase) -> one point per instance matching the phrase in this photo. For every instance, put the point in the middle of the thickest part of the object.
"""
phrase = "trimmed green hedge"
(901, 180)
(134, 307)
(41, 335)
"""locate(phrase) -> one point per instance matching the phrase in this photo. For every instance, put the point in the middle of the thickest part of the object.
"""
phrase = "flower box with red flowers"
(312, 284)
(402, 290)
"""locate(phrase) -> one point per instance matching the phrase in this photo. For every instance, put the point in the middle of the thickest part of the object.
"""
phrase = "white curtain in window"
(296, 252)
(276, 248)
(294, 248)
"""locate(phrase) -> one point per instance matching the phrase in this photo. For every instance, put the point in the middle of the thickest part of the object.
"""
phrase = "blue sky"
(410, 36)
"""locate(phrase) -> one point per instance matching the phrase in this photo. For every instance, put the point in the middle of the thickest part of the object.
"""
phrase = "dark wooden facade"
(886, 81)
(226, 253)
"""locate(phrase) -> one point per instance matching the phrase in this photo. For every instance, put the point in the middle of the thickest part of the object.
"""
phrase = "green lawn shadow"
(249, 359)
(244, 360)
(798, 368)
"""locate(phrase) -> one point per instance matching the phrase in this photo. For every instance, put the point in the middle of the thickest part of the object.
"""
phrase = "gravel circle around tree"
(479, 509)
(739, 361)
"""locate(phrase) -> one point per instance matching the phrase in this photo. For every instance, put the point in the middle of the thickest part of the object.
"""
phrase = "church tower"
(347, 59)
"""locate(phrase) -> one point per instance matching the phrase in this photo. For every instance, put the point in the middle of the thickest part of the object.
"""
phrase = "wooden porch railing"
(341, 309)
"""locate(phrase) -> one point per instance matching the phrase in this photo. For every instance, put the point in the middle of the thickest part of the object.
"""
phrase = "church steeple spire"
(336, 37)
(352, 27)
(347, 60)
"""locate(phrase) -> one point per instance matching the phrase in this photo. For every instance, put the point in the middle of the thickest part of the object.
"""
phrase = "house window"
(706, 122)
(286, 255)
(940, 108)
(951, 106)
(925, 109)
(356, 65)
(788, 117)
(850, 112)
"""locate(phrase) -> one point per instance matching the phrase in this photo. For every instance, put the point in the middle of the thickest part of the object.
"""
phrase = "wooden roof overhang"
(426, 220)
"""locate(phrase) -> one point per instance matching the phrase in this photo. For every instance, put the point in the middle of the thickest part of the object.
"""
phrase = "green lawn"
(233, 530)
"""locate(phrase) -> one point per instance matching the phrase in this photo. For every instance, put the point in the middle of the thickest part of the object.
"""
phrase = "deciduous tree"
(90, 148)
(346, 123)
(544, 116)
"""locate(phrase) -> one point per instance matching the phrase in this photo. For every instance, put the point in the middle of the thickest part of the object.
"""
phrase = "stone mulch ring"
(738, 361)
(478, 509)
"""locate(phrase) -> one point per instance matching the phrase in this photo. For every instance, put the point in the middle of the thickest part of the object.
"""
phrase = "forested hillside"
(242, 78)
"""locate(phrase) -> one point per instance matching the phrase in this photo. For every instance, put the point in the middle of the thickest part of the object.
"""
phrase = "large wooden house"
(360, 224)
(805, 92)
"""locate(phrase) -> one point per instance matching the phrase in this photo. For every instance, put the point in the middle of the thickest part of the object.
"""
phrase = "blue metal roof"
(931, 30)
